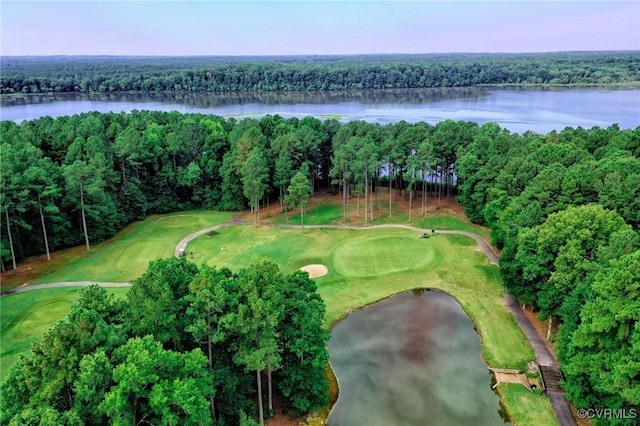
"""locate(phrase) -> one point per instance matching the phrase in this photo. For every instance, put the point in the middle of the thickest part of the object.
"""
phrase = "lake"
(412, 359)
(541, 110)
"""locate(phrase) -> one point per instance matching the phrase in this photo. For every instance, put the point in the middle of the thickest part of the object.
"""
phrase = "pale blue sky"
(314, 27)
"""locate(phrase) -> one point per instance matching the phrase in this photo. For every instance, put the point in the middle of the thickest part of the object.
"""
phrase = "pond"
(516, 109)
(412, 359)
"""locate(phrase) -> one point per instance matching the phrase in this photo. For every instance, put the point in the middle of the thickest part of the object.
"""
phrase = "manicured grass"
(327, 209)
(368, 265)
(382, 255)
(443, 218)
(526, 407)
(239, 246)
(365, 266)
(127, 255)
(322, 213)
(25, 317)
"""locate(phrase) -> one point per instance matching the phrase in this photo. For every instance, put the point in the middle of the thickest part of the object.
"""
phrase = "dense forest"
(187, 346)
(565, 210)
(79, 179)
(564, 207)
(62, 74)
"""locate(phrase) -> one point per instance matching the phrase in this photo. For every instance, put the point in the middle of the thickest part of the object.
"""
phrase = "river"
(518, 110)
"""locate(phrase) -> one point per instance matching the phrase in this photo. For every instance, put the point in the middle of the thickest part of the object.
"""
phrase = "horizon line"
(267, 55)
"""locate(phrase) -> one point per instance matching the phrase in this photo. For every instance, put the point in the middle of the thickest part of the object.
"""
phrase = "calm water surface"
(519, 110)
(412, 359)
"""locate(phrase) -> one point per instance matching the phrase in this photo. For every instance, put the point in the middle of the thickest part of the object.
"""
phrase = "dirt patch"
(541, 329)
(315, 270)
(512, 378)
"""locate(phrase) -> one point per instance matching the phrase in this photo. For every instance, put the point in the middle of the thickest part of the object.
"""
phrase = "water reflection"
(222, 99)
(412, 359)
(517, 109)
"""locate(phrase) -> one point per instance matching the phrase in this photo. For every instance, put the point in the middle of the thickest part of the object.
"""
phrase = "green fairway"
(238, 246)
(364, 266)
(368, 265)
(127, 255)
(27, 316)
(322, 213)
(327, 209)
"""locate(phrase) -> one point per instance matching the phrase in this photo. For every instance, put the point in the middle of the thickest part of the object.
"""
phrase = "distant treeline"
(86, 74)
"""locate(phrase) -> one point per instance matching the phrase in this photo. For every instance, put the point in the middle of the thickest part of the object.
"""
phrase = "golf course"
(363, 266)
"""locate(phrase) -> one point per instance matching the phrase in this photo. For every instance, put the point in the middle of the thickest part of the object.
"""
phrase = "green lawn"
(127, 255)
(331, 212)
(368, 265)
(27, 316)
(320, 214)
(525, 406)
(364, 266)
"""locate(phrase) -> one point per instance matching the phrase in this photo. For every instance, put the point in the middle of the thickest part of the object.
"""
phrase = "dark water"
(412, 359)
(519, 110)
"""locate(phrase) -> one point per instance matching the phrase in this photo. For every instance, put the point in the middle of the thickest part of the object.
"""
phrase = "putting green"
(33, 318)
(374, 257)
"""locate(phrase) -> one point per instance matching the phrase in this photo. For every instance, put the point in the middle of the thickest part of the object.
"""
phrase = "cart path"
(559, 403)
(486, 248)
(544, 357)
(67, 284)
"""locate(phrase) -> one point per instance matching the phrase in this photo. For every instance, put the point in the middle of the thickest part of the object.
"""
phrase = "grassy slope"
(127, 255)
(525, 407)
(327, 209)
(451, 263)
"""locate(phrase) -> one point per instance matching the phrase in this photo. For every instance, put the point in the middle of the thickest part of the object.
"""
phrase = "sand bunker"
(315, 270)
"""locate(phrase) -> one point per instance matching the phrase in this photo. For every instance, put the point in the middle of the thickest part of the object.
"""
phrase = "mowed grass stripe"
(127, 255)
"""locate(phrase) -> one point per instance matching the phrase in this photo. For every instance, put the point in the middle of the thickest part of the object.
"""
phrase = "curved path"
(67, 284)
(543, 355)
(486, 248)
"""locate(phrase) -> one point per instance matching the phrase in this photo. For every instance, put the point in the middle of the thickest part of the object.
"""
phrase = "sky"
(314, 27)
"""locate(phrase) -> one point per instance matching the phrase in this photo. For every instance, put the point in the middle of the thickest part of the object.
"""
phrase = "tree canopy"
(28, 75)
(103, 365)
(563, 208)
